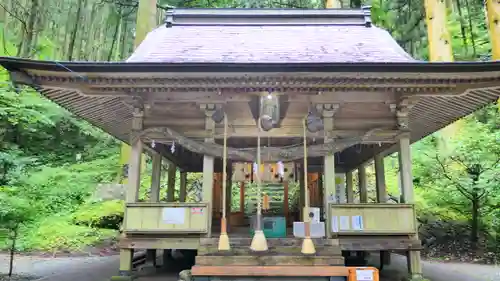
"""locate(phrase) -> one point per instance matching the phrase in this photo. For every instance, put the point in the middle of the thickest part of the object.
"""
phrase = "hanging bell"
(266, 122)
(314, 123)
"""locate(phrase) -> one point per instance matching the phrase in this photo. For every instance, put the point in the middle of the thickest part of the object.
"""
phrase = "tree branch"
(459, 187)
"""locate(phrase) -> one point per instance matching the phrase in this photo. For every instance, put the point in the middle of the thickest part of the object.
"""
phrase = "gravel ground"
(59, 269)
(439, 271)
(101, 268)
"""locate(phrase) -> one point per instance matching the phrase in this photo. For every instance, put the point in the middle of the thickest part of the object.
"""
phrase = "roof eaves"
(16, 64)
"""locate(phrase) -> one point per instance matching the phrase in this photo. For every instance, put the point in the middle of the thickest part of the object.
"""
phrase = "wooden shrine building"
(372, 98)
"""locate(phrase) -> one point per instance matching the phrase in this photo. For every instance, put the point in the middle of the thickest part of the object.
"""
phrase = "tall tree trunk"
(115, 34)
(474, 234)
(29, 32)
(471, 30)
(146, 20)
(462, 27)
(71, 47)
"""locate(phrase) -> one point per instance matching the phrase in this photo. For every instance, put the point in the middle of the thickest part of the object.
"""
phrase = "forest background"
(51, 161)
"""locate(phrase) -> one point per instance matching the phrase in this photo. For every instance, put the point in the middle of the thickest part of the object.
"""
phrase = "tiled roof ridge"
(267, 17)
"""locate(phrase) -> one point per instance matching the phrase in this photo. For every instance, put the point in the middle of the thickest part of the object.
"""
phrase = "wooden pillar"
(328, 111)
(183, 187)
(134, 167)
(363, 192)
(134, 184)
(285, 201)
(385, 256)
(493, 16)
(208, 167)
(380, 179)
(126, 256)
(172, 170)
(413, 257)
(349, 187)
(229, 192)
(405, 172)
(321, 192)
(302, 188)
(242, 197)
(342, 189)
(154, 195)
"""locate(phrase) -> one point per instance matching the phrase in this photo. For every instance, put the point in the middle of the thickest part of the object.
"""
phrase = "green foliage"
(58, 232)
(107, 214)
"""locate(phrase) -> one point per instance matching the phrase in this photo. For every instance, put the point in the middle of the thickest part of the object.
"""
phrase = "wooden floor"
(347, 243)
(243, 232)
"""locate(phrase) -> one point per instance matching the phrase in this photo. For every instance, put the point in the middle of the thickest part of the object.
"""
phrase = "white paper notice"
(364, 275)
(357, 222)
(344, 223)
(174, 215)
(335, 224)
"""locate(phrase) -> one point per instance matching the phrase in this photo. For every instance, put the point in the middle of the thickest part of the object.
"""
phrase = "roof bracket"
(368, 15)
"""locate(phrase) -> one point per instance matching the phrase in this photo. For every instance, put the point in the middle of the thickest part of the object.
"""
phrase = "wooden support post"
(242, 197)
(134, 183)
(328, 111)
(349, 187)
(302, 189)
(183, 187)
(493, 16)
(414, 263)
(385, 256)
(342, 190)
(404, 157)
(154, 195)
(285, 201)
(229, 193)
(380, 179)
(208, 167)
(134, 167)
(172, 171)
(363, 191)
(125, 271)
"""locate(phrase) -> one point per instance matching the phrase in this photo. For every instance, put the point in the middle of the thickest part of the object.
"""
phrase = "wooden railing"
(166, 218)
(373, 219)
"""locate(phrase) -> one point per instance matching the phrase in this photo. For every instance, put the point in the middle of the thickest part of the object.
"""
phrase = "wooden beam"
(284, 132)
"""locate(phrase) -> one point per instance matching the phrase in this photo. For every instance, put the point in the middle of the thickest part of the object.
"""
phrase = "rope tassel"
(224, 244)
(259, 242)
(307, 244)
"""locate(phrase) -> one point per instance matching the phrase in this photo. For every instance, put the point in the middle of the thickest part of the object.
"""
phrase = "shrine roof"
(228, 56)
(270, 36)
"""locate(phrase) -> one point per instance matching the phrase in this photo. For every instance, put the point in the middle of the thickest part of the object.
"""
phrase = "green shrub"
(107, 214)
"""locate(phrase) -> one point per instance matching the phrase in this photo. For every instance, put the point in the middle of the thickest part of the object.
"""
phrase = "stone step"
(281, 260)
(246, 251)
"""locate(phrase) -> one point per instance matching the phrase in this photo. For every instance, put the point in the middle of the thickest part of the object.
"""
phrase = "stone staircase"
(282, 252)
